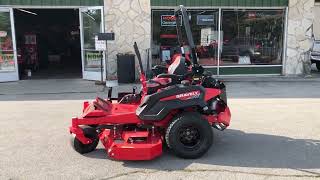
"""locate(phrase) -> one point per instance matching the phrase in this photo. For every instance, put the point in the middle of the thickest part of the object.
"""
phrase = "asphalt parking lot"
(275, 134)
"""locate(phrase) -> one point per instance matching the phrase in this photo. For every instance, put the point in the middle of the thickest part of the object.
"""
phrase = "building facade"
(235, 37)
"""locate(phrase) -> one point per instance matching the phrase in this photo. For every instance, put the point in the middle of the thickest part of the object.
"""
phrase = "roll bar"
(136, 49)
(179, 13)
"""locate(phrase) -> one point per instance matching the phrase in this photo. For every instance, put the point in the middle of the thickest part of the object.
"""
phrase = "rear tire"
(90, 133)
(189, 136)
(318, 65)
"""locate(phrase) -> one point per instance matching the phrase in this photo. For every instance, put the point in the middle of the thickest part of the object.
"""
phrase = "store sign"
(101, 45)
(7, 62)
(93, 56)
(204, 20)
(252, 15)
(3, 34)
(7, 58)
(93, 59)
(169, 20)
(255, 15)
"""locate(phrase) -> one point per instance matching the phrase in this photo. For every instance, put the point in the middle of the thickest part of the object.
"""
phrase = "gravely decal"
(183, 97)
(189, 94)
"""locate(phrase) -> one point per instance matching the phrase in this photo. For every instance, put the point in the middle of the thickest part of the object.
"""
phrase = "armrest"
(159, 67)
(159, 70)
(167, 76)
(171, 76)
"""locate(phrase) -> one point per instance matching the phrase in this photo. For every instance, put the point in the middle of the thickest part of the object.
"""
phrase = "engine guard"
(222, 120)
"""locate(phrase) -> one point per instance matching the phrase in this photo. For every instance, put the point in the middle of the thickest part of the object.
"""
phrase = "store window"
(204, 25)
(247, 37)
(7, 62)
(252, 37)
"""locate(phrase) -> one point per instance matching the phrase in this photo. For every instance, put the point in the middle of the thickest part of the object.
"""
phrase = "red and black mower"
(178, 109)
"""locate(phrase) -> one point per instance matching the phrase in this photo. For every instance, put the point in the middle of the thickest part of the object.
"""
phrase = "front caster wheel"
(189, 136)
(90, 133)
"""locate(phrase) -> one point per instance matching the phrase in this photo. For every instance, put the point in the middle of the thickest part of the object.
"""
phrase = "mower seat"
(176, 73)
(178, 67)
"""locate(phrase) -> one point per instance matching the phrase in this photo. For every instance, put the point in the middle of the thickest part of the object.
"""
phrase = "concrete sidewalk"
(78, 89)
(57, 89)
(74, 86)
(50, 86)
(61, 86)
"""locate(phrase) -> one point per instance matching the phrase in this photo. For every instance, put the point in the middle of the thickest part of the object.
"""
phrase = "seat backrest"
(178, 67)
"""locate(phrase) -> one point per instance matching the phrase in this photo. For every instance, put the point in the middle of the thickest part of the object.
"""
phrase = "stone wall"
(130, 20)
(299, 39)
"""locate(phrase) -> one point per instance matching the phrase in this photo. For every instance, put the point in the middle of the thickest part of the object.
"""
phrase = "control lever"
(110, 94)
(134, 89)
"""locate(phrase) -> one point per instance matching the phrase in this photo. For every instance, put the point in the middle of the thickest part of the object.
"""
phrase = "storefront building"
(233, 38)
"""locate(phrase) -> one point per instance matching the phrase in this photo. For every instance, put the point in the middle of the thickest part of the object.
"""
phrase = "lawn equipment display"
(178, 109)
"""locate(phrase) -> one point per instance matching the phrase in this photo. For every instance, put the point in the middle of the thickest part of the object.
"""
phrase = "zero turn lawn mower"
(178, 109)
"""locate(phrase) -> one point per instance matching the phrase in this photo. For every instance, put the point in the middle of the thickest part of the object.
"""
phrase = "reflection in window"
(7, 62)
(204, 25)
(252, 37)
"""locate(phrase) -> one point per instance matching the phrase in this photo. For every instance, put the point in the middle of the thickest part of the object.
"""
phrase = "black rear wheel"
(189, 136)
(90, 133)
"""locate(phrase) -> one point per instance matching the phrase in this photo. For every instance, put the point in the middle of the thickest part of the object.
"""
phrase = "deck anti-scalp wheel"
(90, 133)
(189, 135)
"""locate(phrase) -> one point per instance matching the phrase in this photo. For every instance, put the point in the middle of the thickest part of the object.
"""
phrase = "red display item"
(31, 50)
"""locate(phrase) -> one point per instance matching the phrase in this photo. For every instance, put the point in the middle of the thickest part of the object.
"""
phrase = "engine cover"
(157, 106)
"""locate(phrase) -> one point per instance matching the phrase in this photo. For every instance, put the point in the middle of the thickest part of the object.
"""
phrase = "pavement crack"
(268, 175)
(310, 172)
(127, 174)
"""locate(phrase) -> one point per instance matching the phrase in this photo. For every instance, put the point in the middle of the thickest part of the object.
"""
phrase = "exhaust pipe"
(219, 126)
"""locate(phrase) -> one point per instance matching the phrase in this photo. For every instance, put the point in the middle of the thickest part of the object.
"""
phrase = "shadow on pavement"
(239, 149)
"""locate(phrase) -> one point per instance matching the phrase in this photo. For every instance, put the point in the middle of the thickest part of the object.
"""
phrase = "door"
(8, 51)
(91, 23)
